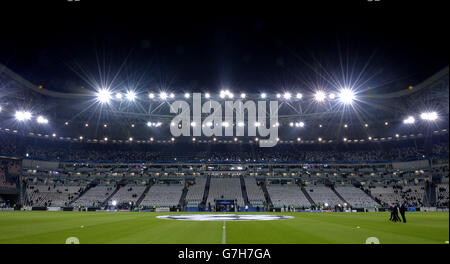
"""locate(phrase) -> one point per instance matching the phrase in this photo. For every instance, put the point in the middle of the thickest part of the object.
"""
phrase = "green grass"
(311, 228)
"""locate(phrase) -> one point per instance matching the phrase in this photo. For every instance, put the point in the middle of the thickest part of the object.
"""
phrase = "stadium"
(118, 159)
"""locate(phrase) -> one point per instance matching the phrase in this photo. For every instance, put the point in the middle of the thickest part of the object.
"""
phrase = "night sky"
(205, 46)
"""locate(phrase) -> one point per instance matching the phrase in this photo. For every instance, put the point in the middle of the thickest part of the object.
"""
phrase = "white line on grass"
(224, 233)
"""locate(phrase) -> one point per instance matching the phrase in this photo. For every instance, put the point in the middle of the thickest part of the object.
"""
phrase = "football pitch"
(22, 227)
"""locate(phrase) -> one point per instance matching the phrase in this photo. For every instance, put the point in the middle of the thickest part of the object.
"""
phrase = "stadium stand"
(195, 193)
(95, 196)
(356, 197)
(229, 188)
(254, 193)
(163, 195)
(323, 195)
(411, 194)
(52, 195)
(287, 195)
(128, 194)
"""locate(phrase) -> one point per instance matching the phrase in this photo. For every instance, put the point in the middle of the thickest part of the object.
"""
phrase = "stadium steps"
(88, 187)
(429, 195)
(206, 192)
(111, 195)
(340, 196)
(141, 198)
(266, 194)
(244, 191)
(311, 201)
(373, 198)
(182, 201)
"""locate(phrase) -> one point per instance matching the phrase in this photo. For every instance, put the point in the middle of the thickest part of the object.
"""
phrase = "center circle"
(224, 217)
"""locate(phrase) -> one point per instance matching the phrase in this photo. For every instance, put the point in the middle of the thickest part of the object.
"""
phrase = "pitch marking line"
(224, 233)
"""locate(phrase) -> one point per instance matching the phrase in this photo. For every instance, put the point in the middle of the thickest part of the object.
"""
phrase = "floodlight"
(23, 115)
(151, 95)
(42, 120)
(172, 95)
(263, 95)
(187, 95)
(346, 96)
(118, 96)
(429, 116)
(131, 95)
(332, 96)
(163, 95)
(241, 124)
(299, 96)
(243, 95)
(207, 95)
(103, 96)
(287, 96)
(409, 120)
(319, 96)
(114, 203)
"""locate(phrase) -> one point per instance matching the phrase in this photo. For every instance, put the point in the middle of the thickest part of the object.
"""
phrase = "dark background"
(200, 45)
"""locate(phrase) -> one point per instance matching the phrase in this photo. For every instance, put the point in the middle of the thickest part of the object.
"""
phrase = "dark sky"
(259, 45)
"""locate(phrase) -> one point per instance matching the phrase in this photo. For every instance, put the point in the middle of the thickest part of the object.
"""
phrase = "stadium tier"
(225, 188)
(163, 195)
(196, 192)
(287, 195)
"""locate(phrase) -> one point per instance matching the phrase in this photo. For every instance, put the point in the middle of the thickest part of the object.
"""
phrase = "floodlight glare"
(151, 95)
(278, 95)
(172, 95)
(409, 120)
(23, 115)
(131, 95)
(346, 96)
(163, 95)
(243, 95)
(207, 95)
(118, 96)
(42, 120)
(299, 96)
(429, 116)
(287, 96)
(241, 124)
(263, 95)
(187, 95)
(332, 96)
(319, 96)
(225, 124)
(103, 96)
